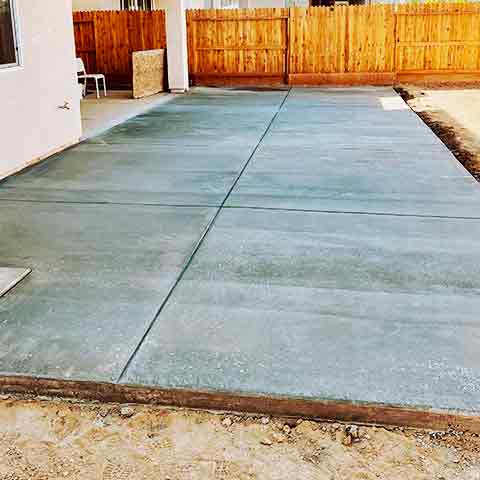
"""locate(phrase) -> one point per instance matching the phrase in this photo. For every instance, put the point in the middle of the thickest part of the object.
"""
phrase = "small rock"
(98, 422)
(127, 412)
(227, 422)
(265, 420)
(343, 437)
(4, 397)
(291, 422)
(299, 421)
(104, 411)
(353, 431)
(286, 429)
(278, 437)
(266, 441)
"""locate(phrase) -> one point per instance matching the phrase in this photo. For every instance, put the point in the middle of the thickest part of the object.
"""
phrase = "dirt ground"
(52, 438)
(453, 113)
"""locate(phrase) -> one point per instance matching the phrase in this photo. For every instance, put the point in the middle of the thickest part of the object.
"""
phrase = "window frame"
(16, 37)
(126, 5)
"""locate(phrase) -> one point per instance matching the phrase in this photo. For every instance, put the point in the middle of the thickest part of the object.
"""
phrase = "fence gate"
(238, 46)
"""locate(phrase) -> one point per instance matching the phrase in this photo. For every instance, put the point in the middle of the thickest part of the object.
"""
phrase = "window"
(8, 34)
(136, 4)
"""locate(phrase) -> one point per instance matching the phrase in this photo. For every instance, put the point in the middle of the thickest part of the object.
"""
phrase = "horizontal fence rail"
(105, 40)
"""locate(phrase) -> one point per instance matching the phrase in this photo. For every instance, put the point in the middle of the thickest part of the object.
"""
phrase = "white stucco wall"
(31, 124)
(84, 5)
(197, 4)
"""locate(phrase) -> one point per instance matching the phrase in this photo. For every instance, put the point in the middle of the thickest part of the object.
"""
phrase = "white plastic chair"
(83, 75)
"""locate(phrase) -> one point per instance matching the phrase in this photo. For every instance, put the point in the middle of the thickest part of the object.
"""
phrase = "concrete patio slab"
(365, 307)
(99, 274)
(100, 114)
(314, 244)
(178, 154)
(344, 152)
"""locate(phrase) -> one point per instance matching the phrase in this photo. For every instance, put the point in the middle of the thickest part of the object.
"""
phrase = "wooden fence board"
(106, 40)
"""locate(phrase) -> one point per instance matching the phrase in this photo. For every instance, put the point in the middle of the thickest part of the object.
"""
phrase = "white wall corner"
(177, 53)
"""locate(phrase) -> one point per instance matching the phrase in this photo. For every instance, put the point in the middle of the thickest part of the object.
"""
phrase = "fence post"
(287, 48)
(347, 39)
(395, 19)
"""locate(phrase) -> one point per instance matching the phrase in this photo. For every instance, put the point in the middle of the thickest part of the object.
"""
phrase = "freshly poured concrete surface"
(371, 308)
(100, 114)
(99, 274)
(342, 151)
(186, 152)
(345, 263)
(104, 253)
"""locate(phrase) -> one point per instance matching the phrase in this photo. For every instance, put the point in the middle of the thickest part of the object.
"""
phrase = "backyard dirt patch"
(51, 439)
(454, 116)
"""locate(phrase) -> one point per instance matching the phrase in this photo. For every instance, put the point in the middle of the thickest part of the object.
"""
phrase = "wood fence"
(441, 41)
(368, 44)
(105, 40)
(238, 46)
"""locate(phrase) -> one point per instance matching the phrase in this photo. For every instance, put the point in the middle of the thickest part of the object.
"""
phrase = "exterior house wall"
(32, 125)
(115, 4)
(86, 5)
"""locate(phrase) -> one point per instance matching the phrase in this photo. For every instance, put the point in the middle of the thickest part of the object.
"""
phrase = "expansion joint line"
(200, 241)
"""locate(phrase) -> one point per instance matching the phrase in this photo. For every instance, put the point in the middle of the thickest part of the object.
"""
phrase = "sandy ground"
(50, 439)
(454, 114)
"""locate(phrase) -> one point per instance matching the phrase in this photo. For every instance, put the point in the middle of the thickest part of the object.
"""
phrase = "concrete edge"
(123, 118)
(39, 159)
(328, 410)
(14, 283)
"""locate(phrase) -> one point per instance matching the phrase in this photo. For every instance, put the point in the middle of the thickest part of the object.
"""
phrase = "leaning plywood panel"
(148, 72)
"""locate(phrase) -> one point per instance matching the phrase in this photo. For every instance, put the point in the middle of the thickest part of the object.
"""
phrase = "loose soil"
(449, 126)
(54, 438)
